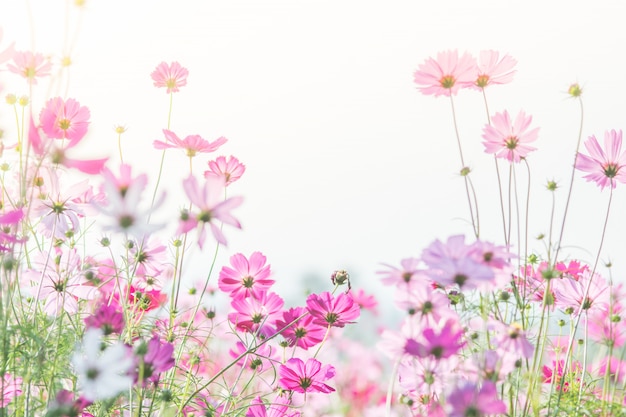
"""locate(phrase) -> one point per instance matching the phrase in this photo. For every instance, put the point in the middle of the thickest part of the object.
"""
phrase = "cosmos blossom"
(329, 310)
(298, 376)
(509, 139)
(30, 66)
(170, 76)
(231, 170)
(64, 119)
(446, 74)
(247, 277)
(604, 167)
(192, 144)
(493, 69)
(471, 400)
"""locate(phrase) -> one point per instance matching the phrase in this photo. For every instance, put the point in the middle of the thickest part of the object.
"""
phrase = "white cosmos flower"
(101, 374)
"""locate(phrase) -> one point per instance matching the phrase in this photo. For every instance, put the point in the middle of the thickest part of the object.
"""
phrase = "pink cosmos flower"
(508, 139)
(511, 340)
(572, 295)
(247, 277)
(11, 387)
(261, 359)
(295, 375)
(231, 170)
(253, 313)
(443, 342)
(30, 66)
(470, 400)
(9, 221)
(604, 166)
(299, 328)
(492, 69)
(170, 76)
(446, 74)
(158, 358)
(279, 408)
(407, 274)
(108, 318)
(211, 208)
(364, 300)
(328, 310)
(454, 262)
(66, 405)
(65, 120)
(192, 144)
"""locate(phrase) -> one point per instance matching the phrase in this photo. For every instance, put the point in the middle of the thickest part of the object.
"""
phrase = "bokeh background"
(348, 165)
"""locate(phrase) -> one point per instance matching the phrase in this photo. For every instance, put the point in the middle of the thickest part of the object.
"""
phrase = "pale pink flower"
(493, 69)
(10, 388)
(211, 207)
(231, 170)
(507, 139)
(472, 400)
(295, 375)
(30, 66)
(65, 120)
(171, 76)
(248, 277)
(588, 294)
(279, 408)
(446, 74)
(604, 166)
(408, 273)
(192, 144)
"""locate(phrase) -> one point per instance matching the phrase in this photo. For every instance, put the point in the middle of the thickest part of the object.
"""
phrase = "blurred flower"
(158, 358)
(107, 318)
(231, 170)
(11, 388)
(171, 76)
(604, 166)
(65, 120)
(295, 375)
(508, 139)
(209, 200)
(30, 66)
(470, 400)
(101, 374)
(402, 277)
(446, 74)
(492, 69)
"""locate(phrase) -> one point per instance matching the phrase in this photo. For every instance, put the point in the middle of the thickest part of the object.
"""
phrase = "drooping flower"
(446, 74)
(101, 375)
(171, 76)
(30, 66)
(231, 170)
(192, 144)
(328, 310)
(295, 375)
(65, 120)
(247, 277)
(604, 167)
(211, 206)
(507, 139)
(493, 69)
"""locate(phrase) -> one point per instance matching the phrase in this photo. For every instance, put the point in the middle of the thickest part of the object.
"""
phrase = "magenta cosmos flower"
(507, 139)
(298, 328)
(170, 76)
(65, 120)
(446, 74)
(295, 375)
(604, 166)
(247, 277)
(192, 144)
(328, 310)
(492, 69)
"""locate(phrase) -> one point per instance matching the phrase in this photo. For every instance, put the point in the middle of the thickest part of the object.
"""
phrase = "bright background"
(348, 165)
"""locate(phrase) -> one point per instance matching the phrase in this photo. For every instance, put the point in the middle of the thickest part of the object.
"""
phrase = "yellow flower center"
(447, 81)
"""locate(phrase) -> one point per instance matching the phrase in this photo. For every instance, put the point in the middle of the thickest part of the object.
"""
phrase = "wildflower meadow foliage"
(99, 315)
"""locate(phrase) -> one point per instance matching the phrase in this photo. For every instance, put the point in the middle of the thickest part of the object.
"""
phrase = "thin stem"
(156, 187)
(571, 182)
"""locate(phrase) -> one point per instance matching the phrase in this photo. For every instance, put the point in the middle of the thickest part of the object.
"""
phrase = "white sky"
(348, 165)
